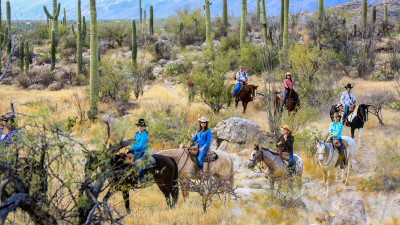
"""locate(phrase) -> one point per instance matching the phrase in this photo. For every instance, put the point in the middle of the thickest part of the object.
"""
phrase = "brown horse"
(246, 95)
(292, 100)
(277, 103)
(164, 174)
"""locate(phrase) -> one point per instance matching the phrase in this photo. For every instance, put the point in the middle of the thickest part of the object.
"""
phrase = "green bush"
(114, 31)
(231, 41)
(384, 75)
(248, 57)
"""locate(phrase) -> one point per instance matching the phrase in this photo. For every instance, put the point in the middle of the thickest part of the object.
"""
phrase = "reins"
(184, 151)
(330, 155)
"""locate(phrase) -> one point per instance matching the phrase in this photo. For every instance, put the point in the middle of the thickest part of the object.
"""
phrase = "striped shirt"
(337, 129)
(347, 99)
(288, 84)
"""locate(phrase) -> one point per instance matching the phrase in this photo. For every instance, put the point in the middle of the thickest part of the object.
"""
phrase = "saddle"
(284, 155)
(336, 145)
(130, 159)
(209, 157)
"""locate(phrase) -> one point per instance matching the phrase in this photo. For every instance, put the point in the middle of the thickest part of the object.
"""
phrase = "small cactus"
(21, 55)
(134, 43)
(27, 56)
(151, 22)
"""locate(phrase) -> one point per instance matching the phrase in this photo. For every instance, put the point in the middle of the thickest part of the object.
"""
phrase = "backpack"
(234, 76)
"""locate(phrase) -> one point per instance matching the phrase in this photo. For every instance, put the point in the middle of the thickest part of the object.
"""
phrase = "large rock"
(348, 211)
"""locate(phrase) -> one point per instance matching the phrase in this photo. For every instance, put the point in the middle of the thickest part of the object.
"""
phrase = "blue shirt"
(241, 75)
(337, 129)
(347, 99)
(140, 146)
(203, 139)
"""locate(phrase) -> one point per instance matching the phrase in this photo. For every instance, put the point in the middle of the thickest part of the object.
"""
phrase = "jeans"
(139, 163)
(236, 89)
(346, 111)
(200, 157)
(341, 145)
(291, 162)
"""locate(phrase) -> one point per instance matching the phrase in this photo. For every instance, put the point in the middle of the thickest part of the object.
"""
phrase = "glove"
(334, 134)
(328, 139)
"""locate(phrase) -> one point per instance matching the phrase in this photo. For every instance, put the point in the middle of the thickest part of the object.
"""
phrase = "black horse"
(164, 174)
(356, 122)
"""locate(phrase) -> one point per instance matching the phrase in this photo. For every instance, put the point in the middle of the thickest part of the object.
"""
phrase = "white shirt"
(2, 137)
(348, 99)
(241, 76)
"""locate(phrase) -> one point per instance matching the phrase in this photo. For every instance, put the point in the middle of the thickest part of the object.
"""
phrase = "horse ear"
(316, 140)
(367, 106)
(256, 147)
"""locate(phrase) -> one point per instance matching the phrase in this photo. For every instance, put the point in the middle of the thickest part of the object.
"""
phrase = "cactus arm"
(83, 31)
(47, 13)
(58, 10)
(73, 30)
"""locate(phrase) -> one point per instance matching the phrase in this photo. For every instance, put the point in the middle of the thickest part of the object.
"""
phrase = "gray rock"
(56, 86)
(396, 199)
(36, 87)
(162, 62)
(348, 211)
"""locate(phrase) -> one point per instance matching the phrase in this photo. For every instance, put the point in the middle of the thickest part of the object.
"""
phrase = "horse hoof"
(128, 211)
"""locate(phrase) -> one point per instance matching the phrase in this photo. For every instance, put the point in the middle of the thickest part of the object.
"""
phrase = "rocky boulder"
(348, 211)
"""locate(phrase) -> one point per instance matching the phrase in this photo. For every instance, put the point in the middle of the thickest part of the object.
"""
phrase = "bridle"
(363, 116)
(330, 155)
(183, 152)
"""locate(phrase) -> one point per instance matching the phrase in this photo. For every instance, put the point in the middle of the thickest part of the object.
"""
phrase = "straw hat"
(287, 127)
(288, 74)
(203, 119)
(7, 116)
(336, 114)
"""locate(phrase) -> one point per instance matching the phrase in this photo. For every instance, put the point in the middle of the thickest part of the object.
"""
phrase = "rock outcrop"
(348, 211)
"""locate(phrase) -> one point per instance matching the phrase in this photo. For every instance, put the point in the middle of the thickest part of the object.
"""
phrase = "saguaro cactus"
(54, 17)
(80, 35)
(140, 12)
(4, 43)
(258, 11)
(208, 24)
(373, 15)
(364, 14)
(134, 43)
(94, 61)
(225, 13)
(282, 20)
(53, 50)
(21, 55)
(151, 22)
(264, 21)
(65, 19)
(8, 15)
(27, 56)
(386, 14)
(321, 11)
(286, 29)
(243, 24)
(144, 20)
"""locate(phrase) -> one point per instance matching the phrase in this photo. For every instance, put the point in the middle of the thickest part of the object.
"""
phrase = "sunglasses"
(203, 122)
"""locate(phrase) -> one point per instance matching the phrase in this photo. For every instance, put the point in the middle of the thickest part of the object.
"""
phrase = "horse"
(327, 158)
(165, 175)
(223, 167)
(277, 103)
(246, 95)
(276, 166)
(354, 121)
(292, 100)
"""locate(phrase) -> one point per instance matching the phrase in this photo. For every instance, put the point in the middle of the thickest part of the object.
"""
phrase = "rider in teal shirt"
(139, 148)
(202, 138)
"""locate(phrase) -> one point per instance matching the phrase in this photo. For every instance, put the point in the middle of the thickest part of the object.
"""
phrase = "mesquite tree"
(94, 61)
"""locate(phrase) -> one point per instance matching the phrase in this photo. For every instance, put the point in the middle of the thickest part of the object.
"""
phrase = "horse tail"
(175, 188)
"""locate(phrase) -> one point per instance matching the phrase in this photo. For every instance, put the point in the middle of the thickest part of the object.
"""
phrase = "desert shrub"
(115, 82)
(114, 32)
(384, 75)
(248, 58)
(66, 41)
(365, 59)
(218, 27)
(40, 32)
(23, 80)
(43, 59)
(163, 50)
(188, 25)
(44, 78)
(231, 41)
(394, 59)
(173, 69)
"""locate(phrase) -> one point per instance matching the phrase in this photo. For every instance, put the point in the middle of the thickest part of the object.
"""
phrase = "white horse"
(327, 157)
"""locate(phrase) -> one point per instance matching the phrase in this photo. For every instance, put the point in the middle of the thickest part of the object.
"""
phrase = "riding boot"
(292, 170)
(343, 164)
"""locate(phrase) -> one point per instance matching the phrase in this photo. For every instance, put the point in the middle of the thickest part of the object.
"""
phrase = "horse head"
(363, 112)
(320, 149)
(252, 91)
(255, 157)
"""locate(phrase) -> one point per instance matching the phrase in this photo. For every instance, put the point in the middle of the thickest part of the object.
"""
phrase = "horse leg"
(236, 104)
(167, 195)
(326, 181)
(359, 136)
(352, 132)
(346, 182)
(271, 184)
(244, 107)
(125, 195)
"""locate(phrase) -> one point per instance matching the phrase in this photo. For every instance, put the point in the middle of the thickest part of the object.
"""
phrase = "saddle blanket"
(352, 115)
(209, 157)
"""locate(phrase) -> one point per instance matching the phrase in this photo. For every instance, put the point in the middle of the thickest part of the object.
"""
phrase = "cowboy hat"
(141, 123)
(336, 114)
(348, 86)
(7, 116)
(287, 127)
(288, 74)
(203, 119)
(241, 66)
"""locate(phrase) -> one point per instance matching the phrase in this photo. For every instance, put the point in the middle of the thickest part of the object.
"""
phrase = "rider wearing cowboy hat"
(288, 85)
(139, 148)
(202, 139)
(241, 79)
(285, 142)
(348, 99)
(8, 130)
(335, 132)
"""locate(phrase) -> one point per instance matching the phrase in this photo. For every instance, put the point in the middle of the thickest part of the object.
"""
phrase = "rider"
(139, 148)
(241, 79)
(348, 99)
(285, 142)
(288, 86)
(202, 139)
(8, 131)
(190, 84)
(335, 132)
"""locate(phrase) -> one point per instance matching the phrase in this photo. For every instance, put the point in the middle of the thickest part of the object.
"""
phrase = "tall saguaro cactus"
(364, 14)
(151, 22)
(134, 43)
(94, 61)
(27, 56)
(225, 13)
(243, 24)
(21, 55)
(8, 15)
(54, 17)
(80, 35)
(373, 15)
(264, 21)
(4, 44)
(140, 12)
(65, 19)
(286, 29)
(53, 50)
(208, 24)
(321, 11)
(386, 15)
(144, 20)
(282, 20)
(258, 11)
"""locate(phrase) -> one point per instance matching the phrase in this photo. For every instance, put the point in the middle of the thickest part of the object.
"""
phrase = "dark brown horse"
(246, 95)
(292, 100)
(277, 103)
(164, 174)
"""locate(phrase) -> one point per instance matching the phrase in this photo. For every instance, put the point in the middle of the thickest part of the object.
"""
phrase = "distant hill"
(126, 9)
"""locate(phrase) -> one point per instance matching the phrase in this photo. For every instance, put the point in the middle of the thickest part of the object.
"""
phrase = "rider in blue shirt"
(335, 132)
(202, 138)
(139, 148)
